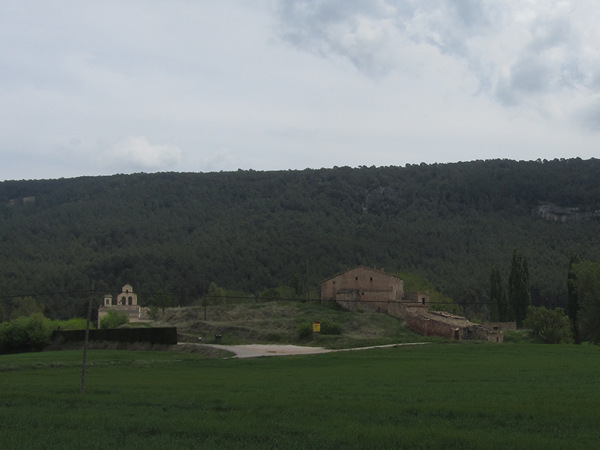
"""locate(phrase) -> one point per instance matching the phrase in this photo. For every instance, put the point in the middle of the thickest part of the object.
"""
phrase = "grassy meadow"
(455, 395)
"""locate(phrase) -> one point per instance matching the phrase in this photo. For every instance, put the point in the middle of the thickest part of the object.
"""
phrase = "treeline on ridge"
(250, 231)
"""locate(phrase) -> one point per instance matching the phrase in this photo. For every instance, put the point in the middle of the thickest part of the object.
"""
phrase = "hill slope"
(279, 322)
(249, 231)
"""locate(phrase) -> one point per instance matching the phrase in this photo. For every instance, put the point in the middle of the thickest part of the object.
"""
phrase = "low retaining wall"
(134, 313)
(428, 326)
(165, 335)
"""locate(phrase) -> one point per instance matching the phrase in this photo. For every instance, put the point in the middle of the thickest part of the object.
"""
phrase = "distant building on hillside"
(364, 289)
(127, 297)
(126, 303)
(371, 290)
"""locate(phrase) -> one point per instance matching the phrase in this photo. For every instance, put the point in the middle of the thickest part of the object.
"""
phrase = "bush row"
(35, 332)
(25, 334)
(165, 335)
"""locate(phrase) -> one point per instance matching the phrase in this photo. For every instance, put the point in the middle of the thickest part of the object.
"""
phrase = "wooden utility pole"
(307, 283)
(86, 340)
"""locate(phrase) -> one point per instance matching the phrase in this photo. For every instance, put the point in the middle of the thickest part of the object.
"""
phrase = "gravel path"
(256, 350)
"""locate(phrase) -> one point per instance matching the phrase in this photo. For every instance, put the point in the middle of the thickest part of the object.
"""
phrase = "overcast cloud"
(91, 88)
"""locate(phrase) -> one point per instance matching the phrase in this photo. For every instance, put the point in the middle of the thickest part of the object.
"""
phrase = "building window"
(355, 278)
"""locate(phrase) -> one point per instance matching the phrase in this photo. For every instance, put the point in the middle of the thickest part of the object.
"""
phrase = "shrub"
(330, 327)
(304, 331)
(25, 334)
(518, 337)
(273, 337)
(551, 325)
(77, 323)
(153, 312)
(113, 319)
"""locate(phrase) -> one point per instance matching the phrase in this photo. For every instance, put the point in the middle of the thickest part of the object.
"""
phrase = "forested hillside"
(248, 230)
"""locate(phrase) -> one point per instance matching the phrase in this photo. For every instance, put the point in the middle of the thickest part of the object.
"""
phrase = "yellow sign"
(316, 327)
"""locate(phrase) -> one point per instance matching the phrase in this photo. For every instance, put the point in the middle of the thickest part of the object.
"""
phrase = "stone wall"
(401, 310)
(133, 313)
(428, 326)
(479, 332)
(418, 297)
(362, 306)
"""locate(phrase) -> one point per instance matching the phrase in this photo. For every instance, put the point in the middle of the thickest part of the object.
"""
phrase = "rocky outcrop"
(556, 213)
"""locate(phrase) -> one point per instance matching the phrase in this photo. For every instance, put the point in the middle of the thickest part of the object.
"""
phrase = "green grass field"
(450, 396)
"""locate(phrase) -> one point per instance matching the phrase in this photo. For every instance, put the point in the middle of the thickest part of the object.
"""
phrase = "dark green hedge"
(165, 335)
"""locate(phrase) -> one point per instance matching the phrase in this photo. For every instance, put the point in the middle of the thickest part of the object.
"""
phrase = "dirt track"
(257, 350)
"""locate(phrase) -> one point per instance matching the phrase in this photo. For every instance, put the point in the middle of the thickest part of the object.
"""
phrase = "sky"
(105, 87)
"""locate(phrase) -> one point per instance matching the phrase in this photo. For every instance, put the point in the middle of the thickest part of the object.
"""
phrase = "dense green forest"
(250, 231)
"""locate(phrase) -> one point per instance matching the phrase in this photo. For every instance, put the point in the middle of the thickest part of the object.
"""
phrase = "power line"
(42, 294)
(238, 297)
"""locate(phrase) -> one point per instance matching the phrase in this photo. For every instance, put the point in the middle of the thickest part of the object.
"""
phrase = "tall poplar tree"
(519, 296)
(588, 289)
(499, 310)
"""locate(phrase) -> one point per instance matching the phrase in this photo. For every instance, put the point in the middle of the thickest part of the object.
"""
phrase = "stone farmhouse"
(372, 290)
(126, 303)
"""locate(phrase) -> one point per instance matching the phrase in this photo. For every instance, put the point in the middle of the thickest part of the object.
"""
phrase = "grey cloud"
(356, 30)
(526, 77)
(472, 13)
(451, 26)
(590, 116)
(530, 76)
(518, 53)
(550, 32)
(321, 26)
(549, 63)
